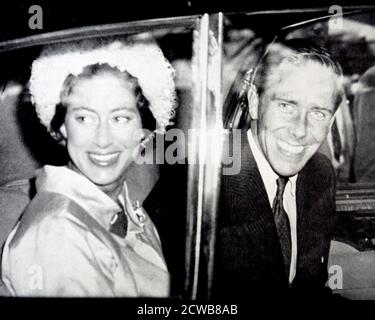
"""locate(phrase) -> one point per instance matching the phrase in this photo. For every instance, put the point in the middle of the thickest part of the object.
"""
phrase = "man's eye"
(318, 115)
(285, 107)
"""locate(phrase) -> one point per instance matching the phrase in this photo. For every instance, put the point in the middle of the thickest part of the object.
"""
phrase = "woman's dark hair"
(143, 105)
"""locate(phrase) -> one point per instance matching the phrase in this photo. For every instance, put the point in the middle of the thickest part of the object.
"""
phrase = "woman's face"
(101, 128)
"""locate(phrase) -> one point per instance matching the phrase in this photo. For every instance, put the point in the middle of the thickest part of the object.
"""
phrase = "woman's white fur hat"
(144, 61)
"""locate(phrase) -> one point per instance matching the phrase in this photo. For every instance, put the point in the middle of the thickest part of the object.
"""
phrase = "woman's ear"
(253, 102)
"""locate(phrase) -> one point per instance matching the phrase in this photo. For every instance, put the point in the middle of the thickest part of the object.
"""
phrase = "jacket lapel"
(254, 199)
(302, 231)
(306, 214)
(255, 212)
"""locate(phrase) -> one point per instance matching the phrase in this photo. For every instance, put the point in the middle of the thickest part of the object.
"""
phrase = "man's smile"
(289, 149)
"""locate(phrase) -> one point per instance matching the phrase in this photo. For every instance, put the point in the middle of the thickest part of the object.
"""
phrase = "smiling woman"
(82, 233)
(102, 128)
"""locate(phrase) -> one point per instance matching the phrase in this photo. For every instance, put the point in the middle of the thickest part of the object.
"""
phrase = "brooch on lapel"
(139, 212)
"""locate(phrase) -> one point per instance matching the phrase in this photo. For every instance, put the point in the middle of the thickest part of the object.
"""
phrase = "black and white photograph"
(185, 158)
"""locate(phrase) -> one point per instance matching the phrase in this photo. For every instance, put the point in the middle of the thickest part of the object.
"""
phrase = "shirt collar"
(85, 193)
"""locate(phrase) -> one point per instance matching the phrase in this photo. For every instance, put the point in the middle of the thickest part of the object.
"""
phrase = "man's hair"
(297, 52)
(142, 104)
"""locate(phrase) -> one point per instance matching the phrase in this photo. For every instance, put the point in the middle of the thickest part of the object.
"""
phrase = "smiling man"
(277, 215)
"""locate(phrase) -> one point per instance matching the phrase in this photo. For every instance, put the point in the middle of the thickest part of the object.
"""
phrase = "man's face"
(295, 114)
(100, 127)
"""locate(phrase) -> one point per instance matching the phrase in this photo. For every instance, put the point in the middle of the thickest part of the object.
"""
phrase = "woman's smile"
(104, 159)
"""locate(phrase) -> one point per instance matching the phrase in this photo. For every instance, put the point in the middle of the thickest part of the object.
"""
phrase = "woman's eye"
(121, 119)
(82, 119)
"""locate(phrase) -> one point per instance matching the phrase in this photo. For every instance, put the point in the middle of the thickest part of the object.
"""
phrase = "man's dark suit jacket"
(248, 254)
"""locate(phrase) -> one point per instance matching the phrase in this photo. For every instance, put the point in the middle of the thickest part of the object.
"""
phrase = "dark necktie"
(120, 224)
(282, 222)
